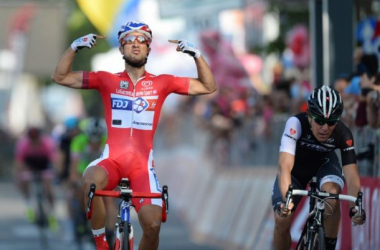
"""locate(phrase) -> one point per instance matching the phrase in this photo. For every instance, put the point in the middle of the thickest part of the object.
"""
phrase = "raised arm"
(205, 83)
(62, 73)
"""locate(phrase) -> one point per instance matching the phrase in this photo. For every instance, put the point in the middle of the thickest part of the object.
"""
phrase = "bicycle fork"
(316, 224)
(124, 220)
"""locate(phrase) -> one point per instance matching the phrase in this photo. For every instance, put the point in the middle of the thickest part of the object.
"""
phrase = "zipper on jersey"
(133, 105)
(134, 98)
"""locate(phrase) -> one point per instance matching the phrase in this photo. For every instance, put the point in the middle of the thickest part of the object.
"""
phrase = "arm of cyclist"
(353, 187)
(63, 74)
(286, 163)
(205, 83)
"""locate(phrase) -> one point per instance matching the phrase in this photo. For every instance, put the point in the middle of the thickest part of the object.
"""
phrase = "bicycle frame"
(314, 225)
(313, 233)
(124, 219)
(126, 194)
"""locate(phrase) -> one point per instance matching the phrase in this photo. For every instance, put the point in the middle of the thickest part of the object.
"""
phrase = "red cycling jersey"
(132, 112)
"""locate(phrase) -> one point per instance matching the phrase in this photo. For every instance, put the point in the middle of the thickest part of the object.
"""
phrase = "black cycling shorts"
(37, 163)
(329, 171)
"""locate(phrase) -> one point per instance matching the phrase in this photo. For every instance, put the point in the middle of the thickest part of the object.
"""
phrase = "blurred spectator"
(281, 93)
(267, 115)
(34, 157)
(220, 127)
(366, 71)
(350, 104)
(368, 63)
(373, 104)
(341, 83)
(298, 42)
(226, 67)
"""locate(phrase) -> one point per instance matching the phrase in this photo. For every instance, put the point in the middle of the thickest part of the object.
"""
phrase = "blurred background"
(217, 153)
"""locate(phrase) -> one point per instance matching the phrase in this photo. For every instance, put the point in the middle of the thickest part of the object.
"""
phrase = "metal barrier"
(367, 147)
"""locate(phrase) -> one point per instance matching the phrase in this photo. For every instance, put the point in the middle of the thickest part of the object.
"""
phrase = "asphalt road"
(18, 234)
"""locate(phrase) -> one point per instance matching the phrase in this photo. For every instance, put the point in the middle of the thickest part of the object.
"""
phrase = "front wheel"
(119, 239)
(130, 237)
(302, 244)
(318, 240)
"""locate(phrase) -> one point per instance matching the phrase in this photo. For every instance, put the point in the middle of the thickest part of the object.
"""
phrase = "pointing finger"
(173, 41)
(100, 37)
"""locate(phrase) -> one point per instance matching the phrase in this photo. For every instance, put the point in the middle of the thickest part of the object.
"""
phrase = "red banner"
(366, 236)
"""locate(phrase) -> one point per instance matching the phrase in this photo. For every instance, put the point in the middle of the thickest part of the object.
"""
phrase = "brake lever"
(288, 197)
(165, 197)
(90, 196)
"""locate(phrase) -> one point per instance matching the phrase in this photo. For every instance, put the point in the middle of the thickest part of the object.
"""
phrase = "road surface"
(18, 234)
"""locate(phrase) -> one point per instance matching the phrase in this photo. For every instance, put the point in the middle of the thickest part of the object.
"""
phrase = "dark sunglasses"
(131, 39)
(321, 121)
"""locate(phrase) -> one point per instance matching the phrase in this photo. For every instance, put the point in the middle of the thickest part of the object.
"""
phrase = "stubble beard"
(135, 64)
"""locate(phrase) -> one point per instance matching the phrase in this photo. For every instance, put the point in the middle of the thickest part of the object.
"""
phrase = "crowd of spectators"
(244, 126)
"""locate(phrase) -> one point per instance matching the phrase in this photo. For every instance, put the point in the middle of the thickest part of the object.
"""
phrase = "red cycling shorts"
(138, 169)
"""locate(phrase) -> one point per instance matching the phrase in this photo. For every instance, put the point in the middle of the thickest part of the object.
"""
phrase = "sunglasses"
(131, 39)
(321, 121)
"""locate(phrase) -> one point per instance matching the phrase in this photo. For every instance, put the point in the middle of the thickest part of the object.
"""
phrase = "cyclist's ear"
(149, 49)
(309, 117)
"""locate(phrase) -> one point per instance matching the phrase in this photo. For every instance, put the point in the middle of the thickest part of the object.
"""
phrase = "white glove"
(85, 41)
(189, 48)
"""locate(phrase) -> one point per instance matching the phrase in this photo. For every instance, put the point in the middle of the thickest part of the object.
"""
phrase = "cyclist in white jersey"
(308, 149)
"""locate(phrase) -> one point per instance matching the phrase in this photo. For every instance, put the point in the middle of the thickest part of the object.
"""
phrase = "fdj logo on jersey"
(139, 105)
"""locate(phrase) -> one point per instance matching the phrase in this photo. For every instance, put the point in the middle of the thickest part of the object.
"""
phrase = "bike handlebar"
(323, 195)
(125, 194)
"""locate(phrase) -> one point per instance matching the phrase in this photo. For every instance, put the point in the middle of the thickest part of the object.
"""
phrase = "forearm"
(352, 181)
(205, 75)
(63, 74)
(353, 187)
(284, 180)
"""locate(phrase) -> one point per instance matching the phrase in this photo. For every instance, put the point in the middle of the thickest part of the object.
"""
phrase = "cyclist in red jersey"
(132, 100)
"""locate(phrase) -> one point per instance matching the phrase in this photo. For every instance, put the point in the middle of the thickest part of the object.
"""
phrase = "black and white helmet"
(325, 102)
